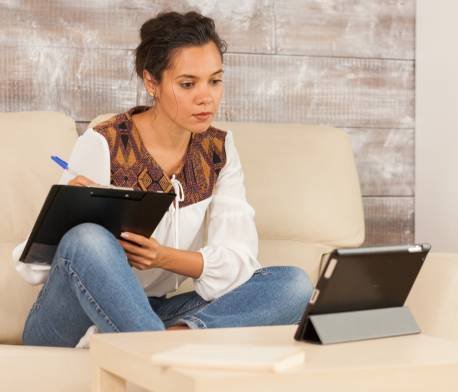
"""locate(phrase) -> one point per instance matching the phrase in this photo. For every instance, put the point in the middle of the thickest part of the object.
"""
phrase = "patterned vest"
(133, 166)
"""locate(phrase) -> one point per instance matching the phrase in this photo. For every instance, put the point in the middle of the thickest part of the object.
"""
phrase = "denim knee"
(297, 290)
(89, 242)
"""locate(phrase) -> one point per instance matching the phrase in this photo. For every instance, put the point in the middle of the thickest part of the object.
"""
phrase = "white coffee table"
(409, 363)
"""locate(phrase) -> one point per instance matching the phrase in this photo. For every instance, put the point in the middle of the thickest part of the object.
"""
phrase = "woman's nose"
(204, 96)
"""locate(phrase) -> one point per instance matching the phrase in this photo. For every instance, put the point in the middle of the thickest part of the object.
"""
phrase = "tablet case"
(117, 210)
(361, 293)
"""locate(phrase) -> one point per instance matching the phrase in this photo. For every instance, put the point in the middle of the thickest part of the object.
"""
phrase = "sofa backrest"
(301, 181)
(28, 141)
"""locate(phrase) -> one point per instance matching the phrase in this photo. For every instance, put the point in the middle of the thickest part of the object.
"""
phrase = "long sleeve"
(90, 157)
(230, 256)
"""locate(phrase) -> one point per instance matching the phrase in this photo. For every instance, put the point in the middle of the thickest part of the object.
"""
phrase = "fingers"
(137, 238)
(140, 256)
(134, 249)
(138, 266)
(137, 262)
(81, 181)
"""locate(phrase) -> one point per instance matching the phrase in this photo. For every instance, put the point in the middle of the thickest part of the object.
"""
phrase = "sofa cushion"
(295, 253)
(16, 299)
(302, 182)
(28, 141)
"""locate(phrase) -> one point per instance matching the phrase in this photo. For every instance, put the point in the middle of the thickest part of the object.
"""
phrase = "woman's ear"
(150, 83)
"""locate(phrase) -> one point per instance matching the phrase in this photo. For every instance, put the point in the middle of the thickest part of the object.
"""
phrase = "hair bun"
(168, 31)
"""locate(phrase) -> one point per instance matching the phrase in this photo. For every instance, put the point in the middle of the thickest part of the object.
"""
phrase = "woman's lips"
(203, 116)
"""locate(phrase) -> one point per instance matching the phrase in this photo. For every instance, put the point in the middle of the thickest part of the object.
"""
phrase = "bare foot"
(178, 326)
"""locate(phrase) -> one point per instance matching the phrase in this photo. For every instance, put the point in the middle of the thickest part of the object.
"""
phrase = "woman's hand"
(81, 181)
(143, 253)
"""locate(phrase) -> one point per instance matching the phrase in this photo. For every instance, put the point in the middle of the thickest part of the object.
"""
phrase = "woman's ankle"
(177, 326)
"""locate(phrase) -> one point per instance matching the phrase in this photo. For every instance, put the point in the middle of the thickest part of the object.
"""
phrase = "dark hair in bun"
(163, 35)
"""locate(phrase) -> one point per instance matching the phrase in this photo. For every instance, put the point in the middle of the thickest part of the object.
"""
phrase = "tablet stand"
(360, 325)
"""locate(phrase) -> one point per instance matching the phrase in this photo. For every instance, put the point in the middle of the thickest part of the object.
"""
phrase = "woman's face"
(191, 88)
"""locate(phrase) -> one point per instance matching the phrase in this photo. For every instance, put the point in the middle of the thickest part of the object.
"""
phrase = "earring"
(153, 96)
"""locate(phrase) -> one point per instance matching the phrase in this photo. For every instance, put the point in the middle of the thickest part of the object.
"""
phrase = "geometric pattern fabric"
(133, 166)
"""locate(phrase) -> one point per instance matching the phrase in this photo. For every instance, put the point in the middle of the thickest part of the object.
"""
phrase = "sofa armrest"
(434, 296)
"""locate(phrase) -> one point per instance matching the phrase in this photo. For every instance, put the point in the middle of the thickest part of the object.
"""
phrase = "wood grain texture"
(385, 160)
(342, 92)
(79, 82)
(389, 220)
(65, 23)
(351, 28)
(247, 26)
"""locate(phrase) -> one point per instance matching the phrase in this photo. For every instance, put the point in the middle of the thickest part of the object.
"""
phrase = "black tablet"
(362, 279)
(117, 210)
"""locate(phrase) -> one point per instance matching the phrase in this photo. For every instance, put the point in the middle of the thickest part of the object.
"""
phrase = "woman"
(99, 283)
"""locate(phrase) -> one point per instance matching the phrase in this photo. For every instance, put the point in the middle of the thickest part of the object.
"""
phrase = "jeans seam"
(83, 290)
(194, 321)
(179, 314)
(41, 294)
(265, 269)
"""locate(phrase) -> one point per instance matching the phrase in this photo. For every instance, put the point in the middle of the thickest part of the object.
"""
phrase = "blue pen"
(63, 164)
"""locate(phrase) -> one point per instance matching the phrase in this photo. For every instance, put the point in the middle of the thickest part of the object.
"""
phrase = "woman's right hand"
(81, 181)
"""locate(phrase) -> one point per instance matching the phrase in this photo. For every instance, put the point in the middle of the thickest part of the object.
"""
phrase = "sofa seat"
(44, 369)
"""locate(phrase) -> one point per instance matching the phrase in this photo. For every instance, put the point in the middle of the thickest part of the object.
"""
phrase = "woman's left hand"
(142, 252)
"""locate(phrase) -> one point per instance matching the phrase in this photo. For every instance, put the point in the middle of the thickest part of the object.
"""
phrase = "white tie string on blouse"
(176, 211)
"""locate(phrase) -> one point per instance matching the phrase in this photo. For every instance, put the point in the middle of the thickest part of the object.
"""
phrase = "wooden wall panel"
(315, 90)
(385, 160)
(248, 26)
(336, 91)
(82, 24)
(389, 220)
(351, 28)
(79, 82)
(115, 23)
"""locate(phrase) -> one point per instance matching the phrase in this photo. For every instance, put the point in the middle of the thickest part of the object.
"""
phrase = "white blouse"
(220, 227)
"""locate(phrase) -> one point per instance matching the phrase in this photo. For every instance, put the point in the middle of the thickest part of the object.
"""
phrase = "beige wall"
(436, 189)
(345, 63)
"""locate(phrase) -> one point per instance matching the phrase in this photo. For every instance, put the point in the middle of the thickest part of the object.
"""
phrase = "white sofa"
(300, 179)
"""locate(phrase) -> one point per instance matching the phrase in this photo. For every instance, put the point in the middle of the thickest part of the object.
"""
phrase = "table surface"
(414, 362)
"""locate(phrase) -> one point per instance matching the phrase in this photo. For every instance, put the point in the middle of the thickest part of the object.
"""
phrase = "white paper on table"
(231, 357)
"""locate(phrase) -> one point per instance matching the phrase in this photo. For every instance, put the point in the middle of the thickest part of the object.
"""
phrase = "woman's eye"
(216, 81)
(186, 84)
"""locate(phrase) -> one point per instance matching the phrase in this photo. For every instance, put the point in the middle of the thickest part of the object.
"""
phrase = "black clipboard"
(360, 287)
(117, 210)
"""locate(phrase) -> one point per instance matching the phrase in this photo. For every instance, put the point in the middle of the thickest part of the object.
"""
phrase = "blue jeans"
(91, 282)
